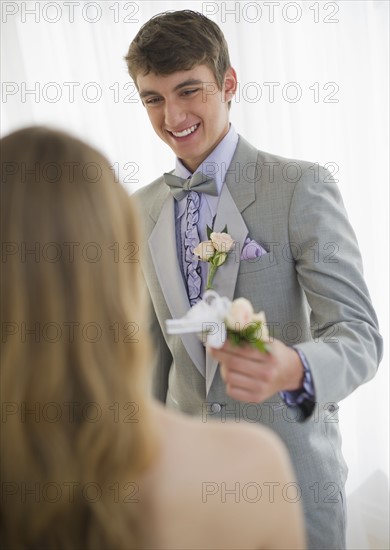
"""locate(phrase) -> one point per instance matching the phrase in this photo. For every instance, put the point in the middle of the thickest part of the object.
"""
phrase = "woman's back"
(219, 486)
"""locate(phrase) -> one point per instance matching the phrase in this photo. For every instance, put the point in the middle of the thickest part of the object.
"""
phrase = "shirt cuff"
(304, 398)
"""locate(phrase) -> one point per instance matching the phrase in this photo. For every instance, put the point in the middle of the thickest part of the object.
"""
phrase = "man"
(296, 258)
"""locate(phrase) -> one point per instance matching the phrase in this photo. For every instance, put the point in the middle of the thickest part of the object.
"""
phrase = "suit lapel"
(237, 194)
(242, 174)
(225, 279)
(162, 245)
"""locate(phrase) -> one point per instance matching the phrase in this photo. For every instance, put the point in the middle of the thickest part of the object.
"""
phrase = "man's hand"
(252, 376)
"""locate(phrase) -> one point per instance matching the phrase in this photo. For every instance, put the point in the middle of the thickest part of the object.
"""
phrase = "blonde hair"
(75, 422)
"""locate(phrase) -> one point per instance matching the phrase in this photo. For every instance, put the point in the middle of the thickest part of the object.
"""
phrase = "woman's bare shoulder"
(253, 446)
(220, 475)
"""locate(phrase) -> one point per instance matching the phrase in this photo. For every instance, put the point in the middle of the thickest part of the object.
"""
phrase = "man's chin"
(186, 156)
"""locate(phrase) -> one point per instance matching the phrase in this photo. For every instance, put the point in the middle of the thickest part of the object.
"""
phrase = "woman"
(88, 459)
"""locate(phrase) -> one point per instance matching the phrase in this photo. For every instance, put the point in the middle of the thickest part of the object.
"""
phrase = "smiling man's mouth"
(185, 132)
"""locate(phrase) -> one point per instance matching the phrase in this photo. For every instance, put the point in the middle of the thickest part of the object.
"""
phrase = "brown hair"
(178, 41)
(75, 426)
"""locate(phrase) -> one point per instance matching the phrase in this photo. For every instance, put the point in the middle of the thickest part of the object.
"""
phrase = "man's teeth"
(186, 132)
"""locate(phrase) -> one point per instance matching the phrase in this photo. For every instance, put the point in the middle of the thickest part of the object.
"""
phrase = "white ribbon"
(206, 318)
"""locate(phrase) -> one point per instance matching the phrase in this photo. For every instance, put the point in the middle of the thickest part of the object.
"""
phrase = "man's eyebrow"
(189, 82)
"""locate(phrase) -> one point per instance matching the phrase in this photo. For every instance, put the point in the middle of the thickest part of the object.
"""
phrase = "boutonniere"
(214, 251)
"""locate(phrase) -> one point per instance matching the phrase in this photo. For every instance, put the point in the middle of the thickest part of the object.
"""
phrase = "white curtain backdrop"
(313, 84)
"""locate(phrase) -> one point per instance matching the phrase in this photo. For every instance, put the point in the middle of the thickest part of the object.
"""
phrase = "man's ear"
(230, 84)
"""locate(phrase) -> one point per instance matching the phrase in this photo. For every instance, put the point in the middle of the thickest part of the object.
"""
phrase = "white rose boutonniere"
(214, 251)
(205, 251)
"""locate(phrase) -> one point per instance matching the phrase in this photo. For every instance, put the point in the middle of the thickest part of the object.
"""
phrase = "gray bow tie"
(199, 182)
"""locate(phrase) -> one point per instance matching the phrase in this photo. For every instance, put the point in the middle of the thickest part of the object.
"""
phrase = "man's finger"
(240, 380)
(243, 354)
(250, 370)
(242, 395)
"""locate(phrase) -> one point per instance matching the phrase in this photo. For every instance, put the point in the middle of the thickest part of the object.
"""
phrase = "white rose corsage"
(216, 319)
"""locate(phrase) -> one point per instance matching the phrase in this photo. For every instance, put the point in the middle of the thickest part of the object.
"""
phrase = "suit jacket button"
(215, 407)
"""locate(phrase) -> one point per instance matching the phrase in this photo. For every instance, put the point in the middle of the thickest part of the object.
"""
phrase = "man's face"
(187, 110)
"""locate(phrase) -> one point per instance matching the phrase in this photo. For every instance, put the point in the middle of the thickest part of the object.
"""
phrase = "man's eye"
(152, 100)
(190, 92)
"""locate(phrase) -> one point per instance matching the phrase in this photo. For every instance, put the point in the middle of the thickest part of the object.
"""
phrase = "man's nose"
(174, 115)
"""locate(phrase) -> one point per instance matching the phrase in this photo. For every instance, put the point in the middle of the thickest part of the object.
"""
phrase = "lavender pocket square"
(252, 250)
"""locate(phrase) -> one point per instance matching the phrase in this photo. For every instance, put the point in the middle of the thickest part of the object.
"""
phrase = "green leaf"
(208, 231)
(218, 259)
(238, 338)
(249, 333)
(234, 337)
(224, 230)
(260, 345)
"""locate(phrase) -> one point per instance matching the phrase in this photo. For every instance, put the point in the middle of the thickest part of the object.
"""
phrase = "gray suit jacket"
(311, 288)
